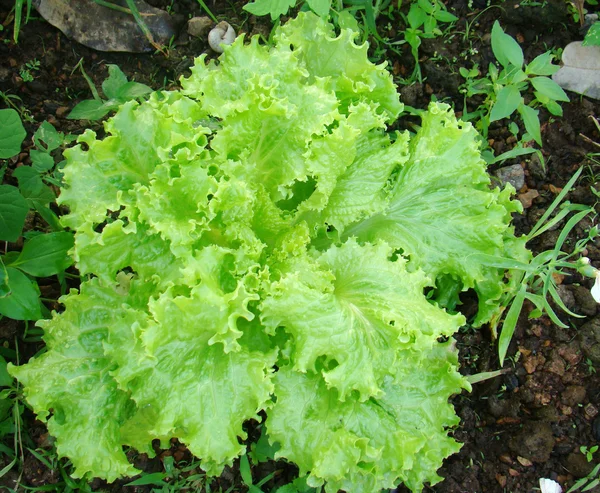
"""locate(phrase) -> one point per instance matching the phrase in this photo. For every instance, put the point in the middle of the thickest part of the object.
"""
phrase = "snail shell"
(221, 34)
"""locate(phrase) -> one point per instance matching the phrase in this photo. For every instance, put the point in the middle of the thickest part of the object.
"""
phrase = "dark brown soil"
(524, 425)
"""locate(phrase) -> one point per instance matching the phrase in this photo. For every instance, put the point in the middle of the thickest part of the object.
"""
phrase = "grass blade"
(510, 323)
(207, 10)
(559, 198)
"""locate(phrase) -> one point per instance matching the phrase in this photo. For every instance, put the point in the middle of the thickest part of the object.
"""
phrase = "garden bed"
(526, 424)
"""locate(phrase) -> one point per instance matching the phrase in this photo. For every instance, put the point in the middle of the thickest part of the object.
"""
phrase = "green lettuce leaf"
(441, 210)
(71, 385)
(357, 309)
(367, 446)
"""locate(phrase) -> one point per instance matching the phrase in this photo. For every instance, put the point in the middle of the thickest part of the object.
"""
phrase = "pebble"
(511, 174)
(556, 365)
(590, 411)
(199, 26)
(62, 111)
(527, 198)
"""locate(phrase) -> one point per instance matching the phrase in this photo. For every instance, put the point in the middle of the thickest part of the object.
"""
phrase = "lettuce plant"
(258, 242)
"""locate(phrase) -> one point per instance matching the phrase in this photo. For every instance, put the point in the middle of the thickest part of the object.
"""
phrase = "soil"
(528, 423)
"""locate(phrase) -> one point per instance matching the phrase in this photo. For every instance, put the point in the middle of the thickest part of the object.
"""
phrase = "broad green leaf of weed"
(46, 255)
(542, 65)
(276, 8)
(46, 137)
(592, 38)
(416, 16)
(507, 101)
(554, 108)
(32, 187)
(505, 48)
(5, 378)
(89, 109)
(23, 302)
(531, 121)
(116, 79)
(13, 209)
(4, 287)
(320, 7)
(445, 16)
(549, 88)
(41, 161)
(12, 133)
(132, 90)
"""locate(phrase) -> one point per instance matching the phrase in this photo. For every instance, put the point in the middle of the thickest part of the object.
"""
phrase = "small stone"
(571, 353)
(62, 111)
(590, 411)
(199, 26)
(411, 94)
(524, 462)
(573, 395)
(511, 174)
(532, 362)
(526, 198)
(501, 480)
(556, 365)
(566, 410)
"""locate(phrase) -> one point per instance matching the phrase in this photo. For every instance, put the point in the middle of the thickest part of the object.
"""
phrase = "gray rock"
(511, 174)
(581, 70)
(199, 26)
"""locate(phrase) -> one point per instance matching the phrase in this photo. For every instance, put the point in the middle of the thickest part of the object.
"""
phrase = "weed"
(27, 70)
(116, 88)
(503, 89)
(43, 255)
(590, 366)
(535, 281)
(423, 21)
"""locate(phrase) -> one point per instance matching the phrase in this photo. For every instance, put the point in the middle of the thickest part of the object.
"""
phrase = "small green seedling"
(116, 88)
(588, 452)
(27, 70)
(504, 87)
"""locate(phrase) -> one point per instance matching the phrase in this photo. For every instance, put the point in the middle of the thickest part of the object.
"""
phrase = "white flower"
(549, 486)
(596, 288)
